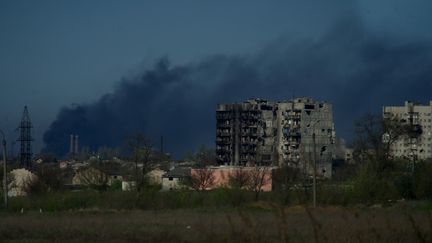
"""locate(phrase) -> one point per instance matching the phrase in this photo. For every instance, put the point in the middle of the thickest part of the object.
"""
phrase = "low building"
(154, 177)
(128, 184)
(173, 179)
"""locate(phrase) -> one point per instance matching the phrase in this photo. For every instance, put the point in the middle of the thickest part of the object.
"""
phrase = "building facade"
(244, 133)
(418, 143)
(270, 133)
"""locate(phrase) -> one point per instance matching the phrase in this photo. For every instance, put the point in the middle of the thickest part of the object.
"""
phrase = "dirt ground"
(293, 224)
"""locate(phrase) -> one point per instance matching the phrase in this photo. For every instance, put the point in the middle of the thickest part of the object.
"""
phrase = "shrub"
(116, 185)
(423, 180)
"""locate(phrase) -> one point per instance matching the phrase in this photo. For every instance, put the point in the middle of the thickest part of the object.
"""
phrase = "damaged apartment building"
(261, 132)
(417, 143)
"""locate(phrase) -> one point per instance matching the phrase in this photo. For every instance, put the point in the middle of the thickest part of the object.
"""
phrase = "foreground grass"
(258, 222)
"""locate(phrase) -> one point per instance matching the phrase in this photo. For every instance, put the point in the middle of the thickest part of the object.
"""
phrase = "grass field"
(255, 223)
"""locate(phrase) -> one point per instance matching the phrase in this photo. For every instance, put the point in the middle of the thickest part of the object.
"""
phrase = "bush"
(423, 180)
(336, 193)
(116, 185)
(372, 185)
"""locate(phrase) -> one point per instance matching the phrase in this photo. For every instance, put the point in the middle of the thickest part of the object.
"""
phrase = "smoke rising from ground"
(357, 70)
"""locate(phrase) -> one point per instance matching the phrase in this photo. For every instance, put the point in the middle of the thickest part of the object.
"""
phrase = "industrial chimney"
(73, 146)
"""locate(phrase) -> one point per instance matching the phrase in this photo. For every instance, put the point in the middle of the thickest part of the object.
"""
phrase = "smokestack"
(76, 145)
(71, 145)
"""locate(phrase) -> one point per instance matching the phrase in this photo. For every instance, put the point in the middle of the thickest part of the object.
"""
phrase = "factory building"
(266, 133)
(417, 144)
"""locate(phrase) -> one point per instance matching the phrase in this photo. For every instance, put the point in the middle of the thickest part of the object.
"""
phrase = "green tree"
(375, 136)
(423, 180)
(380, 175)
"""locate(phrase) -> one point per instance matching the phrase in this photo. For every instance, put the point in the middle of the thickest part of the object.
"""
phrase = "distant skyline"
(56, 54)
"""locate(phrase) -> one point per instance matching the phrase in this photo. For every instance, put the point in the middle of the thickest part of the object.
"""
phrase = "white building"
(417, 145)
(173, 179)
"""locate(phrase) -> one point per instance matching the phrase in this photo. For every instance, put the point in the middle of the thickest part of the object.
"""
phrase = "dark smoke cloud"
(355, 69)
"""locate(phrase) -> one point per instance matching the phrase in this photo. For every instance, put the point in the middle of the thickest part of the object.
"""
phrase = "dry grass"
(277, 224)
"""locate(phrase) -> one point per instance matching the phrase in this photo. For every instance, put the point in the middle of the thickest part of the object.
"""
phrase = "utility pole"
(5, 189)
(314, 197)
(314, 167)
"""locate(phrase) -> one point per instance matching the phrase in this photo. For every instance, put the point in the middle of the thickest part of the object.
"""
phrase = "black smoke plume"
(355, 69)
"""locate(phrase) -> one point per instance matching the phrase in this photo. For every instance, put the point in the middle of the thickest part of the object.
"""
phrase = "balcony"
(223, 141)
(223, 134)
(222, 149)
(223, 125)
(249, 141)
(291, 135)
(249, 134)
(223, 115)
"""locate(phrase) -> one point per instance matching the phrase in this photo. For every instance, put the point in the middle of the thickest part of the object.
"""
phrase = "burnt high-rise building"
(263, 132)
(245, 133)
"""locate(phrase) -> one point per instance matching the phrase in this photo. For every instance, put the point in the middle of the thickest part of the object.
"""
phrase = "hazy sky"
(57, 53)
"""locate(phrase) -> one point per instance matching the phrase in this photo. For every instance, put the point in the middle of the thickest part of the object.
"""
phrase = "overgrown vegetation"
(382, 177)
(258, 223)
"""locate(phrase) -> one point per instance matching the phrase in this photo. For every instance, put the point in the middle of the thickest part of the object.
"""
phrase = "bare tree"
(375, 136)
(239, 178)
(258, 178)
(285, 178)
(202, 179)
(51, 178)
(203, 157)
(141, 148)
(206, 156)
(378, 173)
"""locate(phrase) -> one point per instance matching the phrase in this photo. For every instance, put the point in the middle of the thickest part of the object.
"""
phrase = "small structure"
(90, 177)
(128, 184)
(172, 179)
(154, 177)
